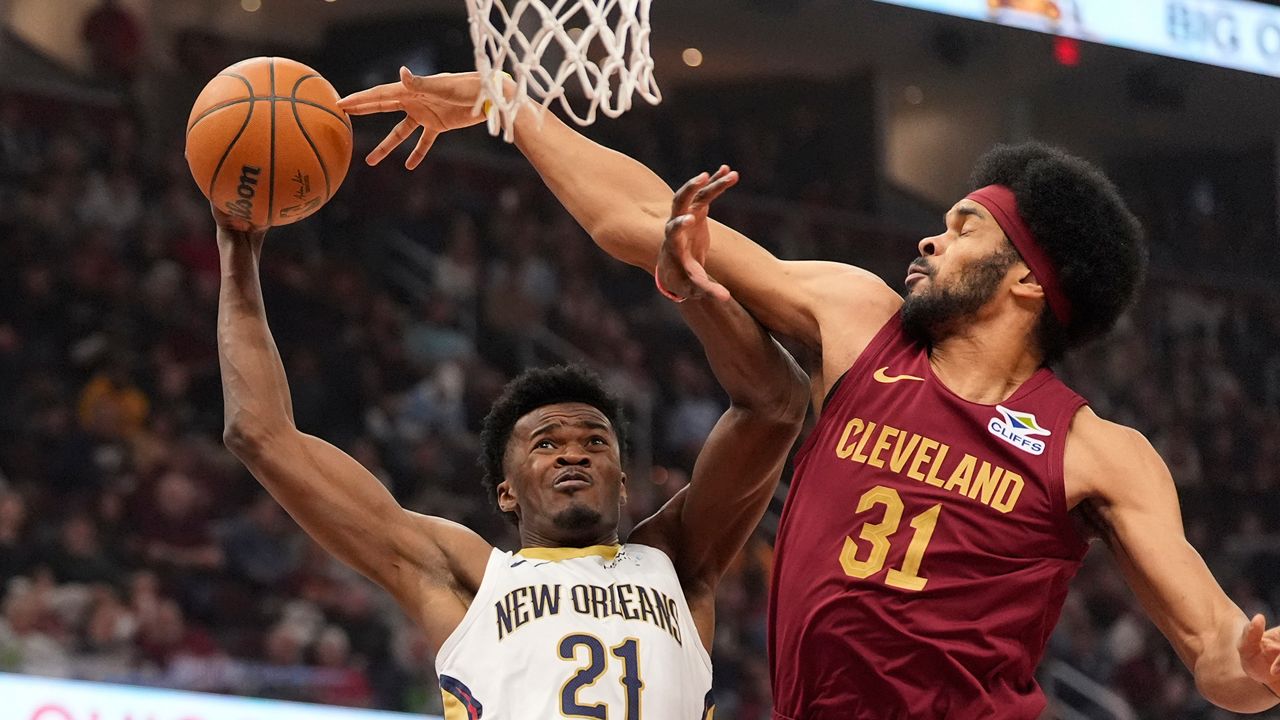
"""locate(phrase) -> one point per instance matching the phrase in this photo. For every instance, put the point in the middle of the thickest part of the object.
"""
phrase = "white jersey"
(602, 632)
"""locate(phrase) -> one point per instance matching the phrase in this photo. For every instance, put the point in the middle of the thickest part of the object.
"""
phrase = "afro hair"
(1079, 219)
(531, 390)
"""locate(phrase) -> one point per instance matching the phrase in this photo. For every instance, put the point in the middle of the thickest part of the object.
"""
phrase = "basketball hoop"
(602, 46)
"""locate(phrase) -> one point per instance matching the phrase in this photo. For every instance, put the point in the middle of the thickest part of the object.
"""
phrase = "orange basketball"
(267, 142)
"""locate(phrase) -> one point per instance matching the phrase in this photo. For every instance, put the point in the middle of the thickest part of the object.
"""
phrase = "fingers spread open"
(684, 196)
(398, 134)
(715, 188)
(425, 142)
(382, 98)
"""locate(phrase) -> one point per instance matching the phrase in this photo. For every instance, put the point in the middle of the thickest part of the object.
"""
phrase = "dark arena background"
(139, 561)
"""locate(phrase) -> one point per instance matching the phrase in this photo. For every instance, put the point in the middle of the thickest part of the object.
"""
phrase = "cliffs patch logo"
(1019, 429)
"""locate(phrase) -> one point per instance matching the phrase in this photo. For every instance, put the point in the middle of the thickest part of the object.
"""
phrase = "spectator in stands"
(15, 543)
(262, 545)
(78, 556)
(114, 37)
(345, 683)
(165, 636)
(693, 410)
(173, 534)
(111, 405)
(283, 649)
(26, 645)
(106, 650)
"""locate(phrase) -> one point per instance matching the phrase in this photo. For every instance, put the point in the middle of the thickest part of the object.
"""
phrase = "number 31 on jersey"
(877, 535)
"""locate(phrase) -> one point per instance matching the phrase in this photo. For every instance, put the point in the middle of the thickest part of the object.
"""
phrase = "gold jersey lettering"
(882, 443)
(902, 454)
(932, 478)
(923, 455)
(960, 477)
(986, 483)
(905, 453)
(1009, 492)
(852, 429)
(862, 443)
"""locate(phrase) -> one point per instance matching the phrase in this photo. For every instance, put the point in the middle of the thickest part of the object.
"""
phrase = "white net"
(596, 48)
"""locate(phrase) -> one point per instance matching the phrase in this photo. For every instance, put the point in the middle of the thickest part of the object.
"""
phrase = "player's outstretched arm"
(623, 205)
(430, 565)
(704, 527)
(1234, 659)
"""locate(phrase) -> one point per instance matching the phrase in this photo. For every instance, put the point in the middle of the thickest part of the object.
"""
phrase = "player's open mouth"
(917, 270)
(572, 480)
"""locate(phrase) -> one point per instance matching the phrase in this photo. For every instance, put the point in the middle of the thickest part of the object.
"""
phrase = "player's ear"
(622, 489)
(1027, 287)
(507, 500)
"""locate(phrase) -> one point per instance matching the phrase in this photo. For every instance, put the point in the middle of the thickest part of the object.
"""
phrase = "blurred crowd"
(133, 548)
(1197, 370)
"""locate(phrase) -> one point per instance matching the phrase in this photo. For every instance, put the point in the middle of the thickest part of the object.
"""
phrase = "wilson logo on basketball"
(1019, 429)
(242, 207)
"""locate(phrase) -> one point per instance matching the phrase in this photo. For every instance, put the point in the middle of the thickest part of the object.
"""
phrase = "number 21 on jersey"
(876, 536)
(596, 661)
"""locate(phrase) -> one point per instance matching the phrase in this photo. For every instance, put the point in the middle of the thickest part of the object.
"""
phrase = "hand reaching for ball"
(235, 231)
(435, 103)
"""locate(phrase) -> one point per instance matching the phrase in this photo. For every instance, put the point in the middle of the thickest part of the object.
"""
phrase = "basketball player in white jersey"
(574, 624)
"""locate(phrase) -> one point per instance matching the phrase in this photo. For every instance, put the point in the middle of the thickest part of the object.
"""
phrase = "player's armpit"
(1116, 469)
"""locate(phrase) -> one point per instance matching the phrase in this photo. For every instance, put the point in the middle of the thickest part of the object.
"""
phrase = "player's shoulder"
(1106, 441)
(1104, 458)
(850, 306)
(448, 552)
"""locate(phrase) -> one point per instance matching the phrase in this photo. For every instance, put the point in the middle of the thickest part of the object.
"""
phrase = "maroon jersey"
(925, 549)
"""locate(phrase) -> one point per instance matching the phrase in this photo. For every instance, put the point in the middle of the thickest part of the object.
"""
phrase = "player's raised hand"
(235, 229)
(681, 269)
(1260, 653)
(435, 103)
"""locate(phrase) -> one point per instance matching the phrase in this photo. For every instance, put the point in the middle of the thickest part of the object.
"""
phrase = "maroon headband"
(1003, 206)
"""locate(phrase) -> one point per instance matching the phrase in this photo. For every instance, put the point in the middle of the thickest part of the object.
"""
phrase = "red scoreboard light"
(1066, 51)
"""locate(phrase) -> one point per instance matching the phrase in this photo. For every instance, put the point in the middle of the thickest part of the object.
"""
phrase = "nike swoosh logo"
(882, 377)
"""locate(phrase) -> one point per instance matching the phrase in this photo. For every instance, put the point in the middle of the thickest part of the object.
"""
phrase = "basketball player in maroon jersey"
(941, 505)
